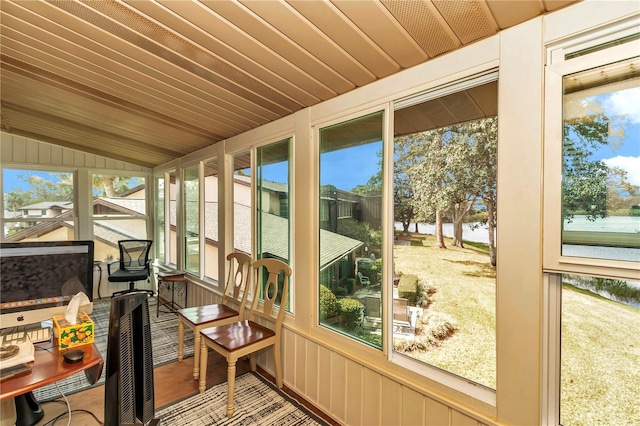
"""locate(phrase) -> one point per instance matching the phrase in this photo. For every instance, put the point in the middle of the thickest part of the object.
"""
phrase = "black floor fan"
(129, 394)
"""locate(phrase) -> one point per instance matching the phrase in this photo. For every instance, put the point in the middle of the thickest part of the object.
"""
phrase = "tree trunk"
(416, 224)
(439, 232)
(107, 183)
(459, 211)
(492, 239)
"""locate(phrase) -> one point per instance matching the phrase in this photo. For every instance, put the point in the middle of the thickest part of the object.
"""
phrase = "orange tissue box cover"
(71, 336)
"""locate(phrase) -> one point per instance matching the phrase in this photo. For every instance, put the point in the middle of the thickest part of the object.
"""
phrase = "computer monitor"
(38, 279)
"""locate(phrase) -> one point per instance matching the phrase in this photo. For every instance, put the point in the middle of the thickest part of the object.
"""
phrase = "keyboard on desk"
(36, 335)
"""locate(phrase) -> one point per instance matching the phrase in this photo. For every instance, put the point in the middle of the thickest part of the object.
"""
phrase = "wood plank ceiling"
(148, 81)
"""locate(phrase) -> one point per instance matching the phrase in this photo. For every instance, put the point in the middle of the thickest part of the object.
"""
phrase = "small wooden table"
(49, 367)
(173, 283)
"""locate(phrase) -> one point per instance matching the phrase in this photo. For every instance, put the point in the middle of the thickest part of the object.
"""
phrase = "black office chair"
(134, 264)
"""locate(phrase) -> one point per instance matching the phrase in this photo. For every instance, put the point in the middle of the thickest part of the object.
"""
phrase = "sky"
(625, 102)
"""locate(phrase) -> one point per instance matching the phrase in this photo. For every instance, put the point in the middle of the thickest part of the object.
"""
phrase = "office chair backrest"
(134, 254)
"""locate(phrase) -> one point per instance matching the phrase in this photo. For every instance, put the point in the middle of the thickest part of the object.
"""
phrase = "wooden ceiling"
(148, 81)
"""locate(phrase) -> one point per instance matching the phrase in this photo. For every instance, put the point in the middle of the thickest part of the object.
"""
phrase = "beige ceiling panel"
(508, 13)
(486, 97)
(470, 20)
(229, 38)
(462, 107)
(265, 34)
(111, 82)
(413, 120)
(551, 5)
(200, 25)
(112, 48)
(297, 28)
(88, 140)
(149, 36)
(73, 108)
(380, 26)
(423, 21)
(333, 23)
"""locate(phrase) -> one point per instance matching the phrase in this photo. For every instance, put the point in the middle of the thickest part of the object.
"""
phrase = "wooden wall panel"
(372, 397)
(391, 402)
(459, 419)
(436, 413)
(312, 373)
(300, 360)
(338, 376)
(24, 152)
(413, 407)
(324, 379)
(354, 398)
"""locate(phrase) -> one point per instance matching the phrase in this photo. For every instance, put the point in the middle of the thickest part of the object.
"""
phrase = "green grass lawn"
(600, 338)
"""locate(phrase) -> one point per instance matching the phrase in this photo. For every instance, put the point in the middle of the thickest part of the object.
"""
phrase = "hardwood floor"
(173, 382)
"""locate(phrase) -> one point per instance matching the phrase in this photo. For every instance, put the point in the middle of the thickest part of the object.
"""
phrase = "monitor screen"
(38, 279)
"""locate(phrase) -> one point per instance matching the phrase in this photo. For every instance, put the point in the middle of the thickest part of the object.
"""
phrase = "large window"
(211, 219)
(38, 205)
(160, 232)
(444, 188)
(600, 351)
(119, 212)
(601, 162)
(592, 224)
(350, 299)
(172, 248)
(272, 199)
(242, 203)
(191, 189)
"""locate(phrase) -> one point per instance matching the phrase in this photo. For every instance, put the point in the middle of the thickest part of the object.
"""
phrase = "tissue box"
(71, 336)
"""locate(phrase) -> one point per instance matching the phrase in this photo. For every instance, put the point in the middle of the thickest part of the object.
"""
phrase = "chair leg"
(252, 361)
(181, 340)
(231, 381)
(277, 361)
(203, 366)
(196, 355)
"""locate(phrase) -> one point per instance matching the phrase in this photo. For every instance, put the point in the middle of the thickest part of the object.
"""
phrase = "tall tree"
(587, 129)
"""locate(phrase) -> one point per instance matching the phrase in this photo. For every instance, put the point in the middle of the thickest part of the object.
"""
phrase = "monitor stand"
(28, 410)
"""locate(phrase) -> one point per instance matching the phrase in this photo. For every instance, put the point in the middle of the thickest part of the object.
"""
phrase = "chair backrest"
(134, 254)
(236, 289)
(401, 309)
(372, 306)
(267, 272)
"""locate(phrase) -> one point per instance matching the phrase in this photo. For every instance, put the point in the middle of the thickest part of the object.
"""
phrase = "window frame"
(564, 58)
(76, 218)
(556, 70)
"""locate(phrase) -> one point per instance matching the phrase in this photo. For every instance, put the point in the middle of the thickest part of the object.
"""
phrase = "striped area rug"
(257, 402)
(164, 338)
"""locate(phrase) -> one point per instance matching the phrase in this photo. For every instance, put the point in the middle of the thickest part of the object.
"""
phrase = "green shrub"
(340, 291)
(351, 313)
(634, 211)
(328, 303)
(409, 289)
(351, 283)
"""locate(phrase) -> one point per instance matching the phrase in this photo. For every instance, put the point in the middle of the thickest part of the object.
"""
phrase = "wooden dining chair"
(246, 337)
(230, 309)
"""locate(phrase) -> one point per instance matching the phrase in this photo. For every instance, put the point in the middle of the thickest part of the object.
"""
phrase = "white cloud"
(630, 164)
(625, 102)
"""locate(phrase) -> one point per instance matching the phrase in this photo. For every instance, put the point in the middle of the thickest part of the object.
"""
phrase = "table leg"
(196, 354)
(181, 339)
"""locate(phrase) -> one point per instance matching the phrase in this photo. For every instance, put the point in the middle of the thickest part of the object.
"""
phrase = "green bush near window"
(351, 313)
(328, 303)
(408, 288)
(351, 283)
(634, 211)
